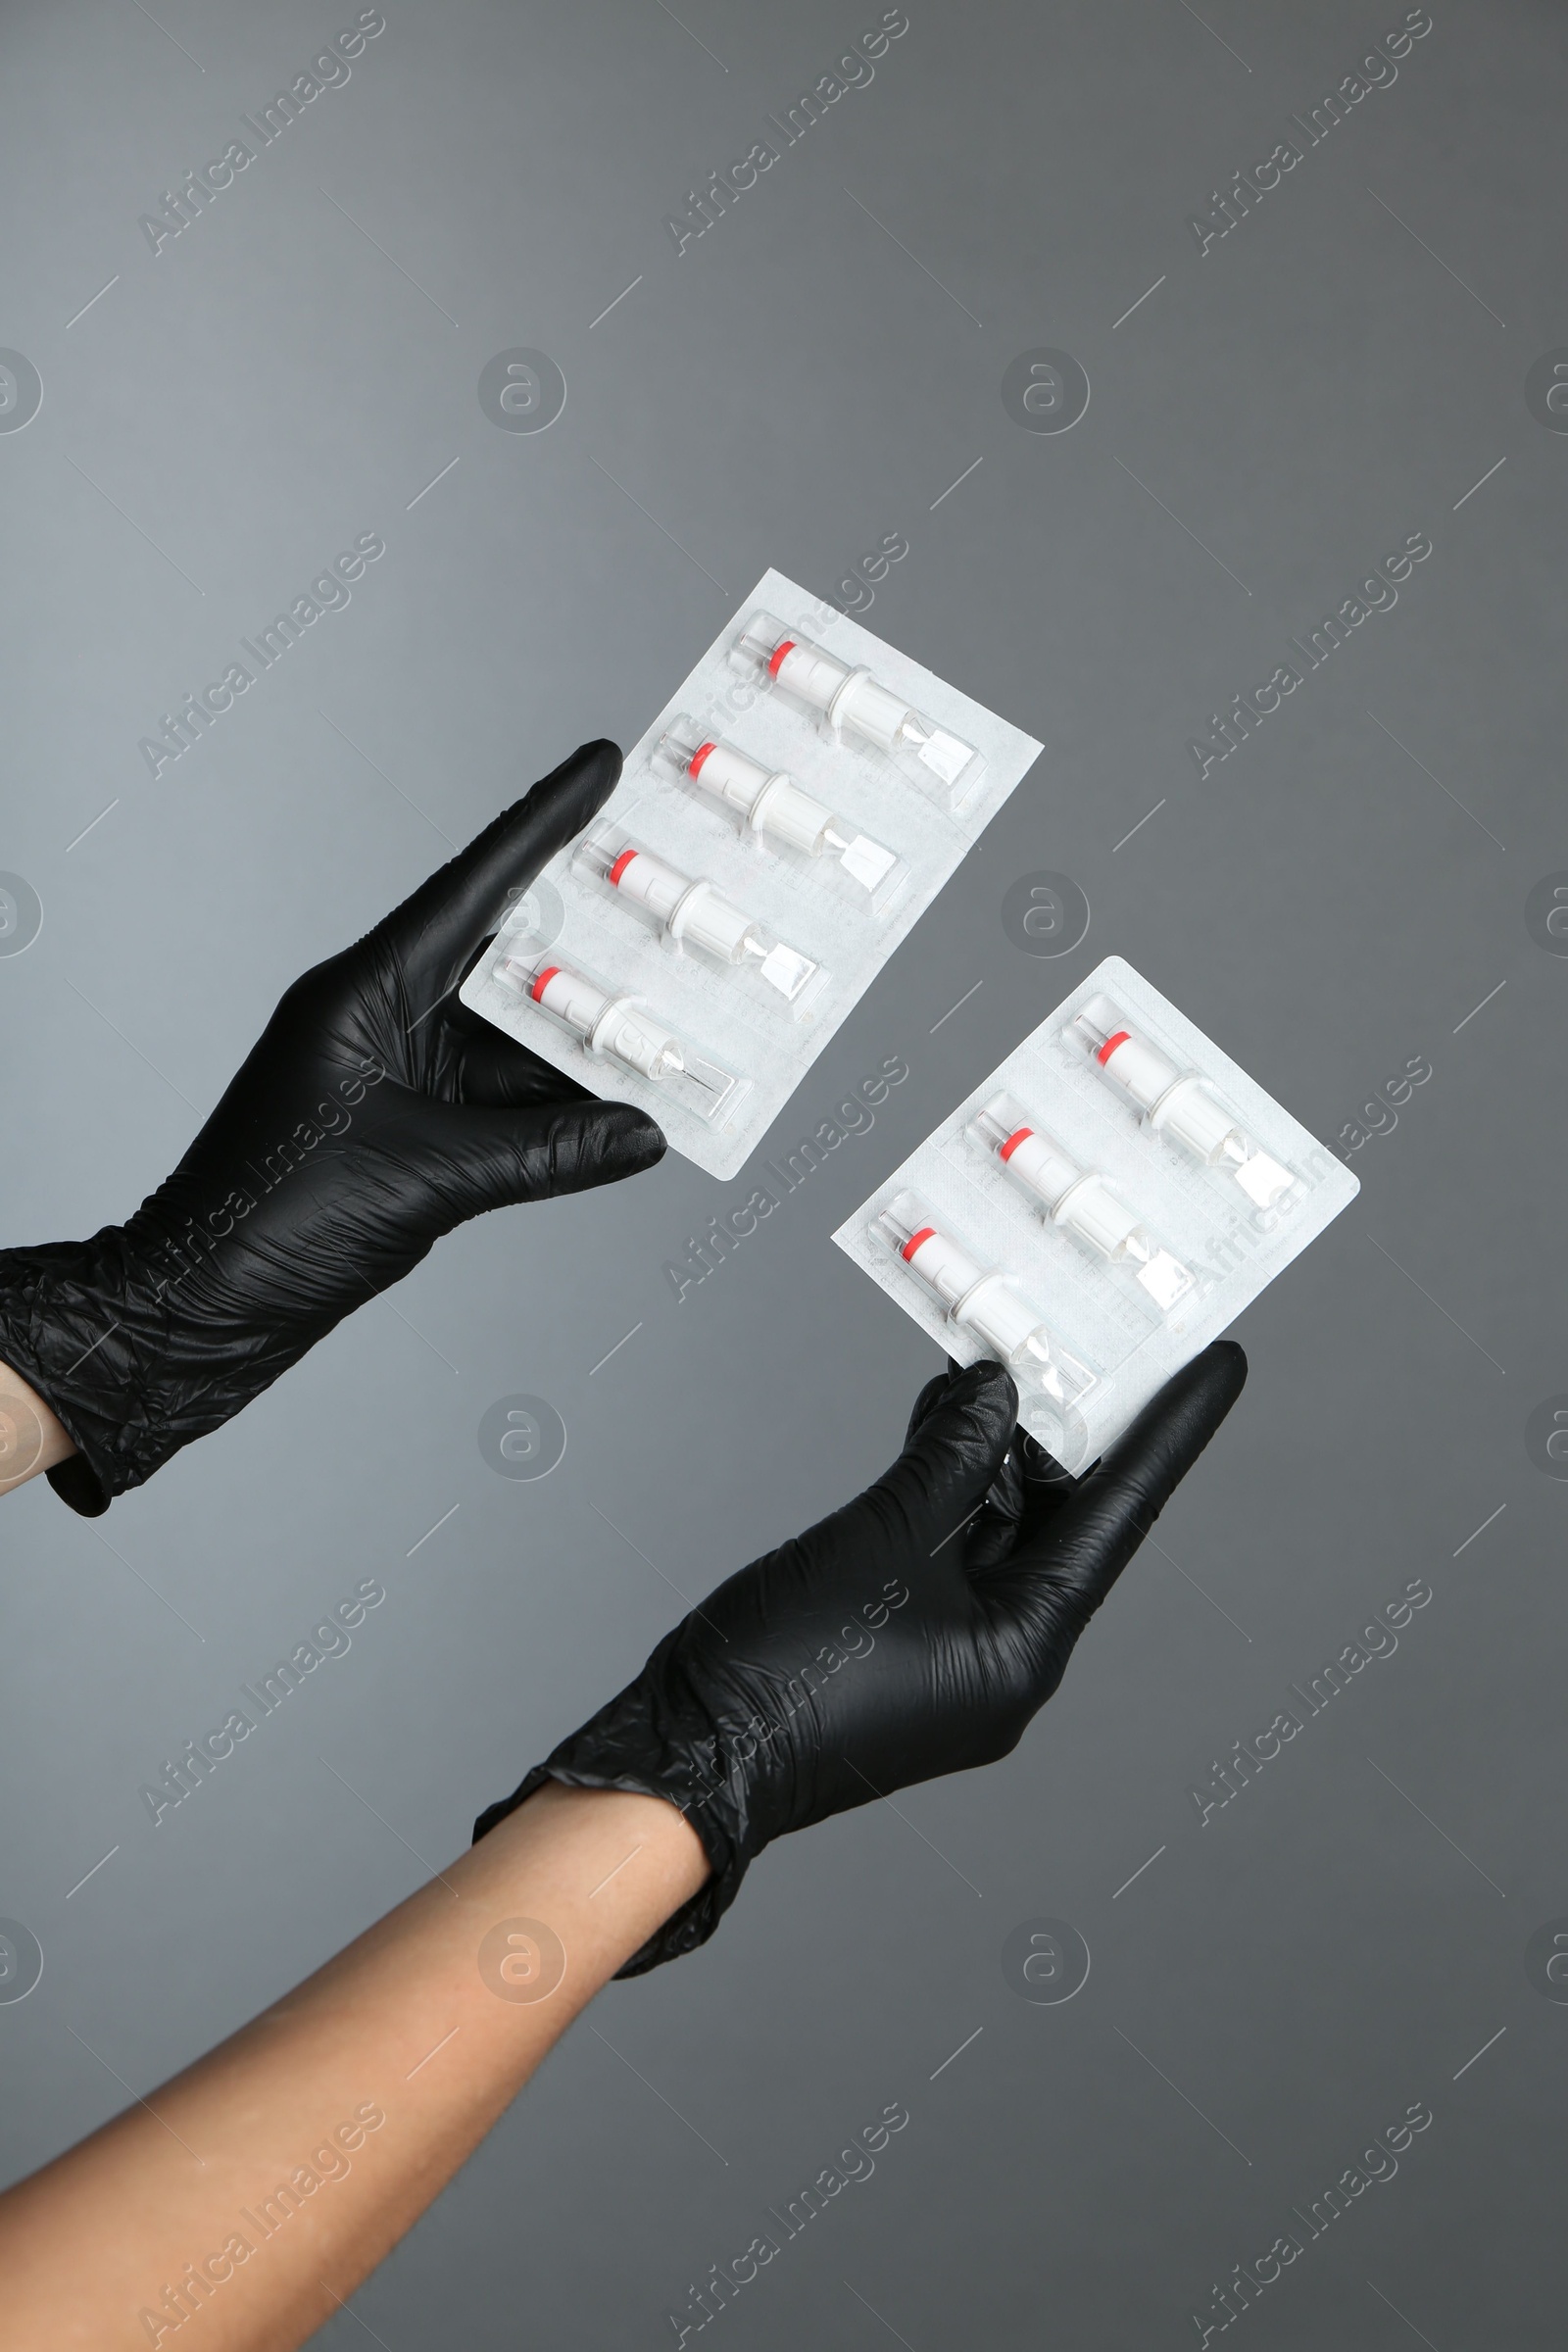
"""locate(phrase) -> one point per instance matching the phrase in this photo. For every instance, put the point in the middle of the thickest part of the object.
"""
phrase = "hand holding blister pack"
(1097, 1210)
(614, 1028)
(776, 833)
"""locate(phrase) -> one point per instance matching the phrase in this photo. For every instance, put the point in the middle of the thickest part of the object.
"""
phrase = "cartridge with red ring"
(981, 1300)
(1077, 1199)
(771, 803)
(1177, 1102)
(692, 909)
(852, 700)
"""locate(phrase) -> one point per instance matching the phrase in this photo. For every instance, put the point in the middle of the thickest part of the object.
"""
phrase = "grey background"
(1279, 1984)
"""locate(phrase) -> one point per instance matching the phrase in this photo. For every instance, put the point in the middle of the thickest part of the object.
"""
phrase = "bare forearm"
(263, 2183)
(30, 1438)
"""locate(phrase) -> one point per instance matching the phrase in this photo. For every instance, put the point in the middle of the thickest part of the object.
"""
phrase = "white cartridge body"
(1078, 1199)
(772, 803)
(605, 1023)
(854, 700)
(770, 800)
(1177, 1102)
(982, 1301)
(695, 909)
(616, 1026)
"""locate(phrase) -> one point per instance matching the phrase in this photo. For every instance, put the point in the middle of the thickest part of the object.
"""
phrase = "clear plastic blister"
(1097, 1210)
(985, 1302)
(776, 833)
(609, 1026)
(850, 699)
(692, 912)
(771, 806)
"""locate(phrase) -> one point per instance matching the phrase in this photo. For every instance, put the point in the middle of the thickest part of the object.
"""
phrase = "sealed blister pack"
(1097, 1210)
(776, 832)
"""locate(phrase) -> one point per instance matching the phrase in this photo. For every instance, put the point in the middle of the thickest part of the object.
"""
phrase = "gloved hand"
(372, 1117)
(885, 1647)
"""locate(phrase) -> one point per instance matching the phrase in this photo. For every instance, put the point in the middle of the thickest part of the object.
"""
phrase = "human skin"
(257, 2188)
(409, 2022)
(31, 1440)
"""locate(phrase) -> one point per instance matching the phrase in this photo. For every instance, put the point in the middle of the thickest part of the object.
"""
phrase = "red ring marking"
(542, 982)
(925, 1233)
(698, 757)
(1111, 1042)
(1005, 1150)
(620, 865)
(777, 655)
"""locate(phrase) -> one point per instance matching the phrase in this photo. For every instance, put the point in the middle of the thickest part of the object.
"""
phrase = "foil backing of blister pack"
(737, 1025)
(1129, 1333)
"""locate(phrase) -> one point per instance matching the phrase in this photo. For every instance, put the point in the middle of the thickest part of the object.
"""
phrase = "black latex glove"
(885, 1647)
(372, 1117)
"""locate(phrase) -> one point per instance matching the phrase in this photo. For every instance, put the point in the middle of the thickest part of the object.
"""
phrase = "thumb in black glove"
(374, 1114)
(914, 1633)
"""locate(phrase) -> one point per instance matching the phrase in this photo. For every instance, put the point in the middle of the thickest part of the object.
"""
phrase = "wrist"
(31, 1439)
(658, 1741)
(133, 1347)
(603, 1868)
(62, 1305)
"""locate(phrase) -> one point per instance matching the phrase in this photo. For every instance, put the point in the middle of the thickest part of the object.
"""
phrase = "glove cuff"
(697, 1917)
(97, 1335)
(651, 1744)
(60, 1319)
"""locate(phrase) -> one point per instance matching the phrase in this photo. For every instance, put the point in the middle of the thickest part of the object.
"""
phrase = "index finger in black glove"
(914, 1633)
(430, 940)
(1075, 1536)
(1027, 1474)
